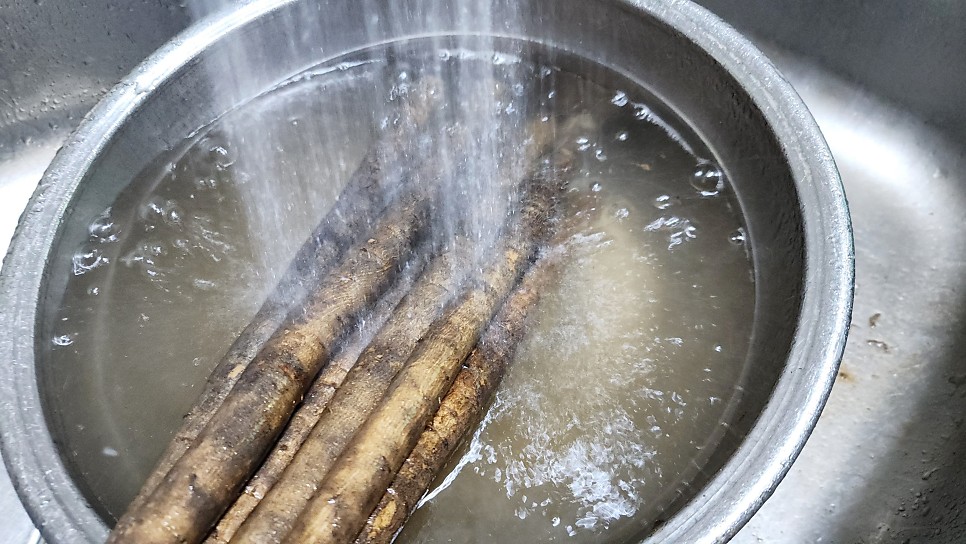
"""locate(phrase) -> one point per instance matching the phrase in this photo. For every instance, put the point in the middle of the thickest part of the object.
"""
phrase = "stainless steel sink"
(886, 80)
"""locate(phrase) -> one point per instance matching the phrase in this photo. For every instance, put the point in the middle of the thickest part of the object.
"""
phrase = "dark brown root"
(286, 493)
(462, 407)
(208, 476)
(360, 203)
(361, 475)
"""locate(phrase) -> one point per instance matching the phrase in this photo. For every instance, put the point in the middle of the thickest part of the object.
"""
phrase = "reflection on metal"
(884, 463)
(881, 465)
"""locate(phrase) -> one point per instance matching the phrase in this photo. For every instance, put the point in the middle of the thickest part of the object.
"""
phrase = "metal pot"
(755, 124)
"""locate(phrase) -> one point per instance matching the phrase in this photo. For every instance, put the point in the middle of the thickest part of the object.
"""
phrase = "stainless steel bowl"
(755, 124)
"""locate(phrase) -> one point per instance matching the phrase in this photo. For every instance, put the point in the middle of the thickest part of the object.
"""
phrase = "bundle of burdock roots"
(300, 438)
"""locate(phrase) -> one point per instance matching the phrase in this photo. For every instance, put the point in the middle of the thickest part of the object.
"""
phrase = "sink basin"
(887, 84)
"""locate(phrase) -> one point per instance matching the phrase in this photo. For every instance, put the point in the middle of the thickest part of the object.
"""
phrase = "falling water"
(629, 362)
(478, 143)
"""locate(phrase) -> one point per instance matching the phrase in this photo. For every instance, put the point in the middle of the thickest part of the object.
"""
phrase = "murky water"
(621, 384)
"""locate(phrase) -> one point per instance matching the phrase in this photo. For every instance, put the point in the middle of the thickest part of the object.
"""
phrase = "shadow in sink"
(883, 464)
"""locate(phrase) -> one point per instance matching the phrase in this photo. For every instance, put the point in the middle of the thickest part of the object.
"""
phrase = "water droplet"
(596, 187)
(642, 112)
(680, 229)
(220, 157)
(737, 237)
(103, 229)
(620, 99)
(664, 202)
(206, 183)
(622, 136)
(708, 179)
(87, 259)
(109, 451)
(173, 214)
(600, 155)
(156, 249)
(64, 339)
(583, 143)
(203, 284)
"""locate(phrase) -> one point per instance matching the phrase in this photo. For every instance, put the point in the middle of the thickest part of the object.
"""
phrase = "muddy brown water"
(615, 396)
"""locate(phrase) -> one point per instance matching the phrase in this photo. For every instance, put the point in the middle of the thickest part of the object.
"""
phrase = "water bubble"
(708, 179)
(168, 211)
(619, 99)
(663, 202)
(93, 291)
(103, 229)
(622, 136)
(64, 339)
(220, 157)
(545, 71)
(737, 237)
(203, 284)
(156, 249)
(152, 208)
(642, 112)
(87, 259)
(206, 183)
(583, 143)
(679, 229)
(600, 155)
(596, 187)
(109, 452)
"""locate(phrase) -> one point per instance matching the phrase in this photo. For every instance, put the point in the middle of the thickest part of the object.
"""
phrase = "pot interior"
(115, 386)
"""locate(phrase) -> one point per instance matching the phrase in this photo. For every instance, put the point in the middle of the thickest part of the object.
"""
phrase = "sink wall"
(911, 53)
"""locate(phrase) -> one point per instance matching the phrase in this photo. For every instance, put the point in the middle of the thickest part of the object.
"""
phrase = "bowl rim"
(766, 454)
(715, 514)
